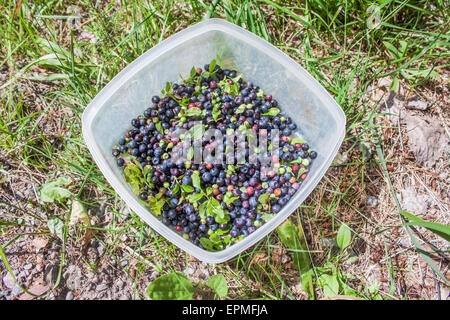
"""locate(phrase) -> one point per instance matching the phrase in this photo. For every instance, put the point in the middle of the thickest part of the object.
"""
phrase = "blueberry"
(173, 202)
(253, 201)
(239, 222)
(132, 144)
(135, 152)
(251, 229)
(206, 177)
(143, 196)
(155, 160)
(155, 99)
(172, 214)
(223, 226)
(313, 154)
(234, 233)
(209, 220)
(189, 210)
(186, 180)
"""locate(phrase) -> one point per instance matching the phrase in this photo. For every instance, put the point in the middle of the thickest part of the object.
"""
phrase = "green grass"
(332, 40)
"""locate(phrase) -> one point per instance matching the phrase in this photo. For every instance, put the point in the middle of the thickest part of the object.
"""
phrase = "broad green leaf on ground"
(172, 286)
(56, 227)
(292, 237)
(219, 284)
(307, 283)
(52, 190)
(78, 214)
(343, 237)
(439, 229)
(329, 284)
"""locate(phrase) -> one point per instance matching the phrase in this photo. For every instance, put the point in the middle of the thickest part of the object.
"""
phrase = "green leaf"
(197, 131)
(439, 229)
(168, 87)
(194, 197)
(212, 65)
(267, 216)
(307, 283)
(273, 112)
(207, 244)
(215, 209)
(216, 114)
(52, 190)
(196, 179)
(193, 112)
(190, 154)
(329, 284)
(343, 237)
(228, 198)
(203, 210)
(263, 198)
(240, 109)
(395, 85)
(193, 72)
(297, 140)
(56, 227)
(187, 188)
(156, 204)
(158, 127)
(219, 284)
(78, 214)
(292, 236)
(172, 286)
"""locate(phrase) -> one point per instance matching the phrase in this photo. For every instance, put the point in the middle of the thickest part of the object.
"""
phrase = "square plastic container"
(319, 118)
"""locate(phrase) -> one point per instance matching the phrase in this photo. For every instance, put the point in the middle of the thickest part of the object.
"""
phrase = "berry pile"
(213, 205)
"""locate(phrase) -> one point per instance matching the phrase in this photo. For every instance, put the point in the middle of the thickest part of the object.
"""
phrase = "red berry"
(230, 82)
(249, 190)
(215, 191)
(178, 228)
(303, 176)
(295, 168)
(284, 138)
(191, 105)
(209, 166)
(298, 145)
(212, 84)
(277, 192)
(230, 187)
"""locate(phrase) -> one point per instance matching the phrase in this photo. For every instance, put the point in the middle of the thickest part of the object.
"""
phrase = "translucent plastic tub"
(320, 119)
